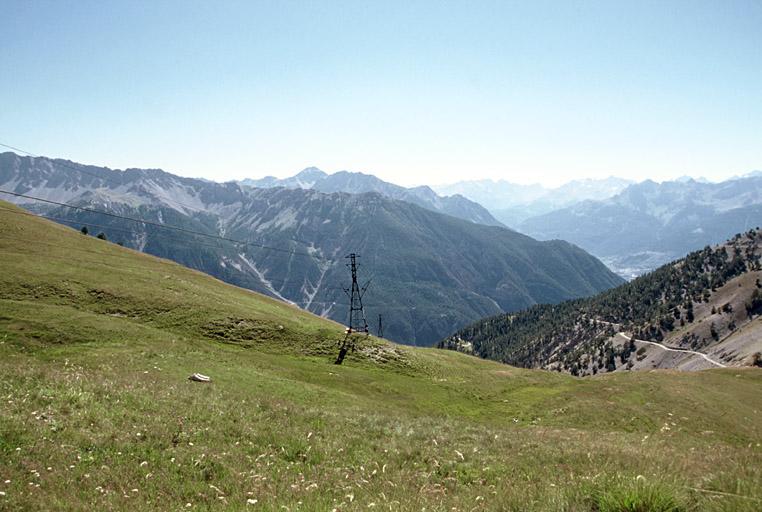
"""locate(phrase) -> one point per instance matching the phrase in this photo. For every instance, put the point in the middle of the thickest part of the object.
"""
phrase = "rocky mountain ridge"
(360, 183)
(432, 273)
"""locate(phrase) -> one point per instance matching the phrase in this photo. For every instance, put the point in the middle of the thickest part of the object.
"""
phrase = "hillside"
(97, 342)
(705, 308)
(361, 183)
(432, 273)
(650, 224)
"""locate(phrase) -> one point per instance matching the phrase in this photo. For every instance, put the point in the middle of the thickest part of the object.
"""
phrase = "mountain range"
(359, 183)
(649, 224)
(632, 227)
(431, 272)
(513, 203)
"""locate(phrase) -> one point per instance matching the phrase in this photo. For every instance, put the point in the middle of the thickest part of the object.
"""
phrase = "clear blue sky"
(415, 92)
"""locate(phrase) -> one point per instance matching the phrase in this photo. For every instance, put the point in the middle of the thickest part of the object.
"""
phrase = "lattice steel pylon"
(357, 321)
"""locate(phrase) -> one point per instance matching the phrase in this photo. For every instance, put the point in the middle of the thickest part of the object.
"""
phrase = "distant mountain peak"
(688, 179)
(311, 172)
(751, 174)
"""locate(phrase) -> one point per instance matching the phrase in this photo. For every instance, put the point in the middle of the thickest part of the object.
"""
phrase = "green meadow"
(97, 412)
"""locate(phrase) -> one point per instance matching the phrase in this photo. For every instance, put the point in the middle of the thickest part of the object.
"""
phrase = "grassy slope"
(96, 343)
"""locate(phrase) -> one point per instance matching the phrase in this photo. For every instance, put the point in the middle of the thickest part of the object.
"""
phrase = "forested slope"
(687, 304)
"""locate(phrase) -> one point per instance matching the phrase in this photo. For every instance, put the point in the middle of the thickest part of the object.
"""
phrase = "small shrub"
(637, 497)
(713, 332)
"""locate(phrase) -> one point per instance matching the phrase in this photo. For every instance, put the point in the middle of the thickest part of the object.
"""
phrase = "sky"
(415, 92)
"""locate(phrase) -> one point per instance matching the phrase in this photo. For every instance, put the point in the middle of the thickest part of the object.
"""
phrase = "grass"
(96, 412)
(637, 496)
